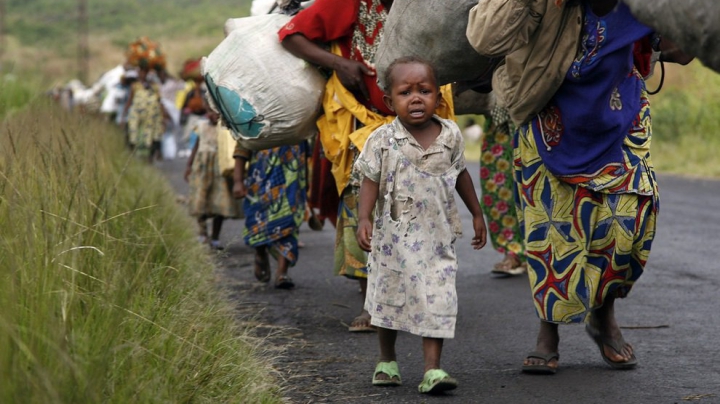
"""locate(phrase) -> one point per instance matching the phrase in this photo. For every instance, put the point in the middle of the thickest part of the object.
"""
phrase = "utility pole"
(2, 34)
(83, 51)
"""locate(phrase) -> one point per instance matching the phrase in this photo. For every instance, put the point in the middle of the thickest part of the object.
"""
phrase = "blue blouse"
(582, 129)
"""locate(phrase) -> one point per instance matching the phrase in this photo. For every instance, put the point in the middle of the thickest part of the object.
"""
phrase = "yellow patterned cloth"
(145, 118)
(585, 240)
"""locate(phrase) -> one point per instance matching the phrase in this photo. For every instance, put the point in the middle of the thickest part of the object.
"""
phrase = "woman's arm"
(350, 72)
(241, 158)
(188, 168)
(128, 103)
(670, 52)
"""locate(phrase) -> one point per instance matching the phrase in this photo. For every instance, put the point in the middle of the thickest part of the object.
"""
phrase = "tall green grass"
(104, 295)
(686, 122)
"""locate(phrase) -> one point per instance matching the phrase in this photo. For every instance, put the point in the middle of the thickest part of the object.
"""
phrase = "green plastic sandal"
(436, 381)
(391, 370)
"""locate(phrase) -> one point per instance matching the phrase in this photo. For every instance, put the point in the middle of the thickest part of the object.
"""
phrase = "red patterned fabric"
(338, 20)
(642, 52)
(323, 191)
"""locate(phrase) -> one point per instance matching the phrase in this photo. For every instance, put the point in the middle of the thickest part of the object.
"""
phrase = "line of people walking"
(569, 190)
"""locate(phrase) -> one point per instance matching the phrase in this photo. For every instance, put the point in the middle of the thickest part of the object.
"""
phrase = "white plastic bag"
(266, 96)
(169, 146)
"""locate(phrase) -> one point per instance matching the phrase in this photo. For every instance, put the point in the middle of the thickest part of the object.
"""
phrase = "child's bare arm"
(368, 197)
(466, 190)
(190, 161)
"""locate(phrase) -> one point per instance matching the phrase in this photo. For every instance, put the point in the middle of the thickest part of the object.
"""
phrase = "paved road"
(672, 314)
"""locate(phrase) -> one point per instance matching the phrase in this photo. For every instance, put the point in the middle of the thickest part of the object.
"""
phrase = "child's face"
(414, 94)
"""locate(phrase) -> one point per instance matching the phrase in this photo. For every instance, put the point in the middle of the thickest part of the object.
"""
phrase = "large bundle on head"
(691, 24)
(145, 53)
(265, 95)
(433, 30)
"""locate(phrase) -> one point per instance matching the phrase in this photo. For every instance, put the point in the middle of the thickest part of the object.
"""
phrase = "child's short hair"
(387, 78)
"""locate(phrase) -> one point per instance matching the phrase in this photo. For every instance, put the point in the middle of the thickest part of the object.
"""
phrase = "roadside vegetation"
(686, 121)
(105, 295)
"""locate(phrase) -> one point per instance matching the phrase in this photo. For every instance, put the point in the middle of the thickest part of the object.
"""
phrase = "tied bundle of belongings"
(192, 69)
(266, 96)
(145, 53)
(435, 31)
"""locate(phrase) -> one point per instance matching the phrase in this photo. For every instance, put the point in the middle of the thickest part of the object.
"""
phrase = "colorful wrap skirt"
(350, 259)
(145, 118)
(588, 240)
(496, 181)
(274, 205)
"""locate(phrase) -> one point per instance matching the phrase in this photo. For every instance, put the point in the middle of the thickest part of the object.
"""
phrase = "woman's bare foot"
(605, 331)
(548, 340)
(509, 266)
(361, 323)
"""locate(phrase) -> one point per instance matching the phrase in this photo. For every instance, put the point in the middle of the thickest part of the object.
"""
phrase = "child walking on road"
(412, 168)
(210, 194)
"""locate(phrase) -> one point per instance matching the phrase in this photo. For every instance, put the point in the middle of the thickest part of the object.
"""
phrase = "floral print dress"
(496, 180)
(145, 118)
(413, 265)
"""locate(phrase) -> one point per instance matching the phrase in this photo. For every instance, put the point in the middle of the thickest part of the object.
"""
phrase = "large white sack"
(433, 30)
(694, 25)
(266, 96)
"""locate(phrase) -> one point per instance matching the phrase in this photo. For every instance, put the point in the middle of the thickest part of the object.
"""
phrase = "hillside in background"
(42, 35)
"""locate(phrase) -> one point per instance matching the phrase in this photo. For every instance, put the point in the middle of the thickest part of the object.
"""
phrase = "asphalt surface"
(672, 317)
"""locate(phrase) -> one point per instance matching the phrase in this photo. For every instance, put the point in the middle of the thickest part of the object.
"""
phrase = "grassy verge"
(104, 295)
(686, 121)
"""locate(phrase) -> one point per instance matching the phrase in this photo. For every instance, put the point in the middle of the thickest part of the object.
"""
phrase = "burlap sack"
(692, 24)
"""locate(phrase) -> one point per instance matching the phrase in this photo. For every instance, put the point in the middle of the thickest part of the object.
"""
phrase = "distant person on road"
(193, 110)
(145, 114)
(274, 185)
(472, 131)
(411, 169)
(586, 184)
(210, 194)
(122, 93)
(498, 191)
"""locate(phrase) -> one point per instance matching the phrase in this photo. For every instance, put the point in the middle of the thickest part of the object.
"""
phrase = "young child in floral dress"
(412, 168)
(210, 193)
